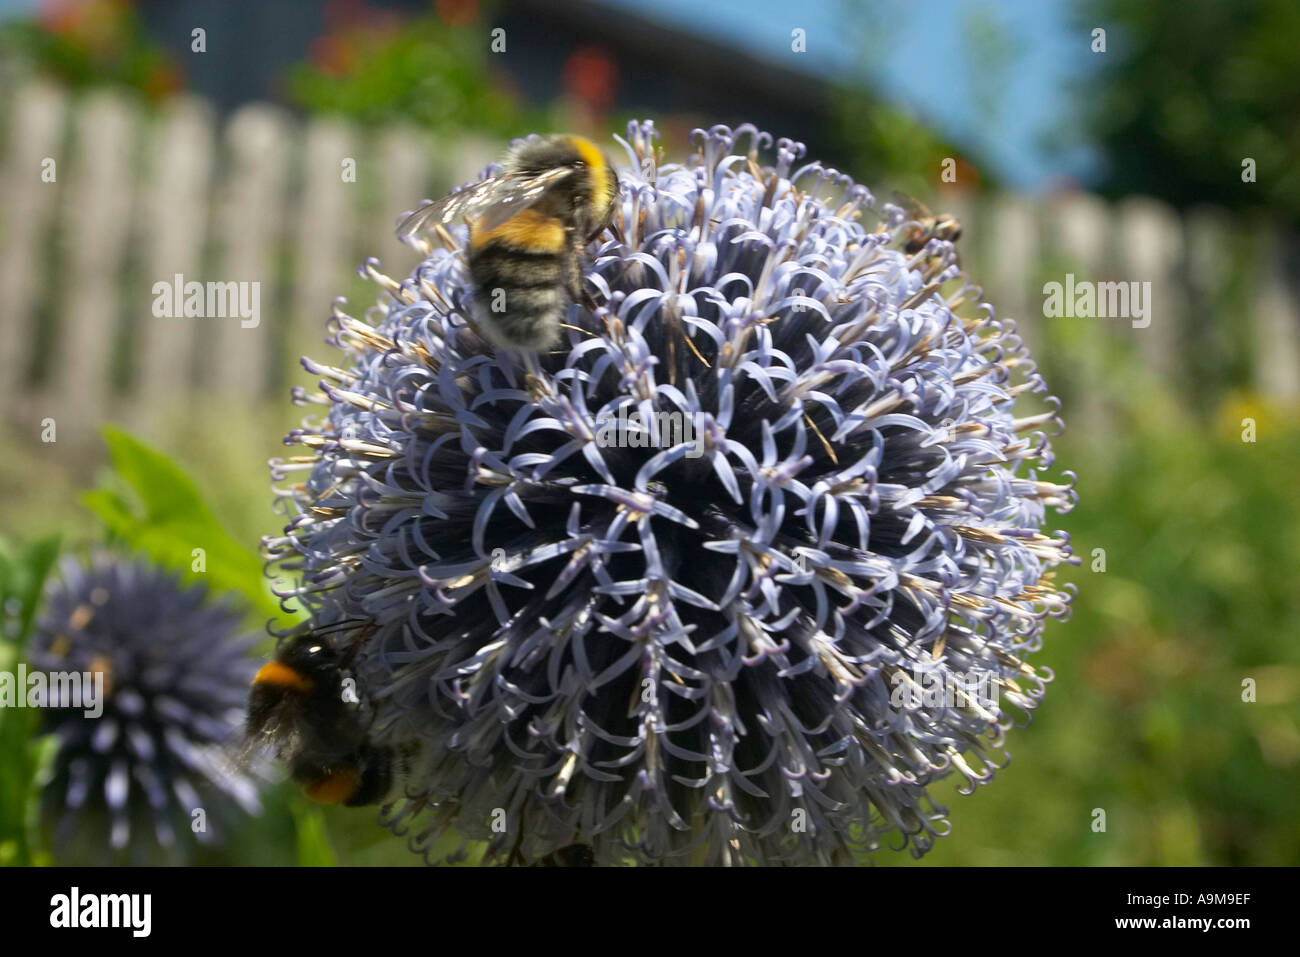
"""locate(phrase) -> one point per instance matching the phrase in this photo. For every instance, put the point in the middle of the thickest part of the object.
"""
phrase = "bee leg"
(615, 230)
(612, 227)
(573, 269)
(574, 286)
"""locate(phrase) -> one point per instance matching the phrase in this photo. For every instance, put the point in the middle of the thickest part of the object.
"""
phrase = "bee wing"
(446, 210)
(517, 193)
(488, 204)
(911, 205)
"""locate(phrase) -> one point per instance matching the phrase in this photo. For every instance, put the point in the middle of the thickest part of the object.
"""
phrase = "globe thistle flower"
(714, 647)
(175, 670)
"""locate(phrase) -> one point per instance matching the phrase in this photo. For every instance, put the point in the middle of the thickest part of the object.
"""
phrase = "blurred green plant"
(1187, 90)
(375, 67)
(151, 505)
(893, 147)
(86, 43)
(23, 570)
(148, 504)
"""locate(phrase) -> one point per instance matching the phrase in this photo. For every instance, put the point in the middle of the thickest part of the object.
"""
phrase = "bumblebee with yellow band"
(528, 229)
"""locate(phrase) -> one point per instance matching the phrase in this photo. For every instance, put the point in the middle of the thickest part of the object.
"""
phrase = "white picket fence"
(138, 197)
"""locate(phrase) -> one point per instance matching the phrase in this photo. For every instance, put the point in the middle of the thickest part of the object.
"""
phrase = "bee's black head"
(304, 669)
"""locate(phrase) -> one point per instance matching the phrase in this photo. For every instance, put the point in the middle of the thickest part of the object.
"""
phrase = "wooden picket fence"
(137, 197)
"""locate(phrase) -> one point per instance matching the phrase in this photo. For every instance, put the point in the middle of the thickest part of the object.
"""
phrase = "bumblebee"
(925, 225)
(302, 707)
(528, 229)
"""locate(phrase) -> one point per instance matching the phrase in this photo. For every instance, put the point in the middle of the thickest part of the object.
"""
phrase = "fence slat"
(1012, 275)
(326, 224)
(1080, 227)
(248, 233)
(175, 212)
(1277, 325)
(28, 203)
(94, 227)
(1082, 231)
(1151, 250)
(403, 155)
(461, 160)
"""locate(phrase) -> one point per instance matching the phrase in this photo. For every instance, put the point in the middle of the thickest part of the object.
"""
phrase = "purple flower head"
(733, 574)
(171, 672)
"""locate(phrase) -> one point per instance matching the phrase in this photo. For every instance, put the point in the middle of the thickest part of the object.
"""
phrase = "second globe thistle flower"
(689, 649)
(173, 667)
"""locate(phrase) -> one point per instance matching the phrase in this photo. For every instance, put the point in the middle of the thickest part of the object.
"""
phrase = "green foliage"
(423, 72)
(893, 146)
(1186, 90)
(22, 575)
(92, 43)
(150, 505)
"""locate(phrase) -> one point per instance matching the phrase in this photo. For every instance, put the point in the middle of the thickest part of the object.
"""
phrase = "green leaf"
(158, 510)
(166, 491)
(22, 578)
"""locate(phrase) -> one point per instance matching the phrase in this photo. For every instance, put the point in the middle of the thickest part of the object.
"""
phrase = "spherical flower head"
(732, 574)
(171, 669)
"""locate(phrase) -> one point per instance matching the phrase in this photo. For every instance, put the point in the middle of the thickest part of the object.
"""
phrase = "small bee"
(528, 228)
(298, 705)
(926, 225)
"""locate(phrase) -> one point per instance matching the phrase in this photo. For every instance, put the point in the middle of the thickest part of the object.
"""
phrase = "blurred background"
(212, 138)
